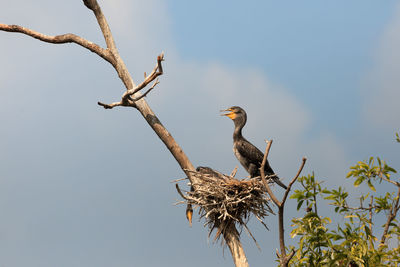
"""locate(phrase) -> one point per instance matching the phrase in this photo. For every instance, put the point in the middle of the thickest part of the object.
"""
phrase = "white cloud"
(382, 100)
(189, 99)
(201, 90)
(191, 94)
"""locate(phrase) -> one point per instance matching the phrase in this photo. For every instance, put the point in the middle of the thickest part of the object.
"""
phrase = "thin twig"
(290, 256)
(294, 180)
(389, 181)
(269, 143)
(178, 180)
(345, 206)
(268, 189)
(180, 192)
(283, 258)
(127, 99)
(224, 200)
(145, 94)
(157, 71)
(233, 173)
(371, 243)
(110, 106)
(391, 216)
(249, 232)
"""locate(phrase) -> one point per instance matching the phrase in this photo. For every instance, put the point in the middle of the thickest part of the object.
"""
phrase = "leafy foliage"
(355, 240)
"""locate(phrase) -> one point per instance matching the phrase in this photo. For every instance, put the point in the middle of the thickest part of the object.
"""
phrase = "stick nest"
(225, 201)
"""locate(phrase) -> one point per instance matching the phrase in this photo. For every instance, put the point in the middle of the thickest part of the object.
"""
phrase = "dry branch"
(262, 172)
(135, 99)
(283, 257)
(224, 201)
(127, 99)
(61, 39)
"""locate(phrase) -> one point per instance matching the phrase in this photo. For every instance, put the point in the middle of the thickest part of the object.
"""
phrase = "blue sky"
(84, 186)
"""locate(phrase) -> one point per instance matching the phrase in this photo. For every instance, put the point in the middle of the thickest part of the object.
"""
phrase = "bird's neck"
(237, 133)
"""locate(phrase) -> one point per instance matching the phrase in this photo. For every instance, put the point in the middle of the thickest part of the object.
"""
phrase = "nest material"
(224, 201)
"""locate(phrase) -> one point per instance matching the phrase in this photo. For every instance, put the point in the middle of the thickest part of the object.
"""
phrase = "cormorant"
(248, 155)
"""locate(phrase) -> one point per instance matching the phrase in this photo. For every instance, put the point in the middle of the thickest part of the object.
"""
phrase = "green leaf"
(331, 197)
(371, 160)
(390, 169)
(358, 181)
(297, 194)
(299, 204)
(371, 186)
(336, 209)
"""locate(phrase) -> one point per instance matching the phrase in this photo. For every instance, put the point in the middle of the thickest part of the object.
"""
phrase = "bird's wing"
(210, 171)
(250, 152)
(253, 155)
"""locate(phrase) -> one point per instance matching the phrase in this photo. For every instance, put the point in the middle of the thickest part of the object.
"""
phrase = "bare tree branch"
(60, 39)
(387, 180)
(110, 106)
(262, 172)
(157, 71)
(105, 29)
(290, 256)
(269, 144)
(293, 180)
(145, 94)
(180, 192)
(141, 104)
(391, 216)
(283, 257)
(133, 98)
(111, 55)
(127, 100)
(233, 242)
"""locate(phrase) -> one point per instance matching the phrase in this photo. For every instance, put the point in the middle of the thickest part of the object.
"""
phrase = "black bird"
(248, 155)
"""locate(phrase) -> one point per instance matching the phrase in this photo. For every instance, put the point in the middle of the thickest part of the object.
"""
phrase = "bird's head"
(234, 113)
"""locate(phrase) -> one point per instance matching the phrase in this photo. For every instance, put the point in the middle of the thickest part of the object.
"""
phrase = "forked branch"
(283, 257)
(262, 172)
(127, 99)
(132, 97)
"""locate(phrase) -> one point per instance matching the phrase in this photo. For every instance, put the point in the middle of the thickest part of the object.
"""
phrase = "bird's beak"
(230, 113)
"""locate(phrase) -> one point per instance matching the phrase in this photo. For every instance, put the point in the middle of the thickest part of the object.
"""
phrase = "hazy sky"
(84, 186)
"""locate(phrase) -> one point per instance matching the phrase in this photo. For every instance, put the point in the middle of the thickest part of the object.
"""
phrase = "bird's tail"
(278, 181)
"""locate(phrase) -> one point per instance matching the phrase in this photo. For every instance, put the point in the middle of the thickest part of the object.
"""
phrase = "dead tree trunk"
(233, 242)
(132, 98)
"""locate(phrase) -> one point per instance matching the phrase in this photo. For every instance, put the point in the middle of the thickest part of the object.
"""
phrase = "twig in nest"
(233, 173)
(224, 201)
